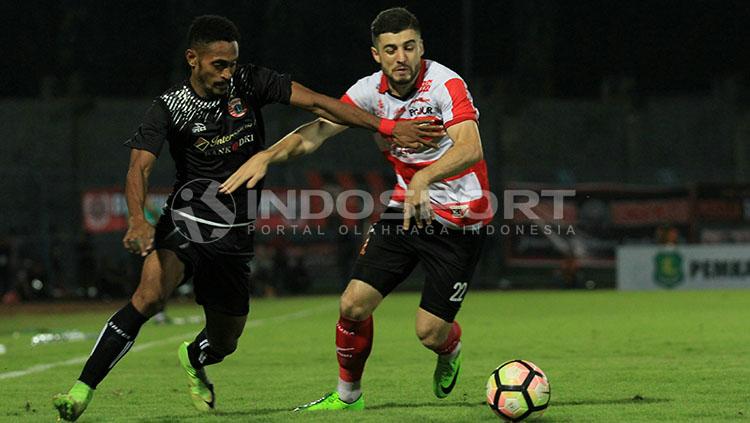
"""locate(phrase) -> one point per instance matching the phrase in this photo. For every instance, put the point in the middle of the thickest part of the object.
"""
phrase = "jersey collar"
(417, 83)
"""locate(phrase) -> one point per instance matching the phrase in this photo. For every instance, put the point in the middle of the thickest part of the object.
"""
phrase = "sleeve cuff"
(459, 119)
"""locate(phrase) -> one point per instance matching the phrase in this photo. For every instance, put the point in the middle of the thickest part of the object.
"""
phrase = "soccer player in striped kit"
(435, 216)
(212, 123)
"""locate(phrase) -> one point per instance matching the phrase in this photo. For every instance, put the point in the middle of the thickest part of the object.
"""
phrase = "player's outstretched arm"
(466, 151)
(410, 134)
(303, 140)
(139, 239)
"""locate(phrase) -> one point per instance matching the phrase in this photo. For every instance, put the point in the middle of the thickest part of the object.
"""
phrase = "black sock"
(200, 352)
(114, 341)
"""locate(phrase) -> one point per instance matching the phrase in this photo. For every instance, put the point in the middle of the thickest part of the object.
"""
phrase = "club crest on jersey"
(236, 108)
(459, 211)
(425, 87)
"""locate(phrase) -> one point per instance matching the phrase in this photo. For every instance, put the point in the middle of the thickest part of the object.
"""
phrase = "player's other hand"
(139, 239)
(249, 174)
(417, 133)
(417, 203)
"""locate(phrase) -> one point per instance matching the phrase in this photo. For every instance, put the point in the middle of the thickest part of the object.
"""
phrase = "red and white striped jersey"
(461, 200)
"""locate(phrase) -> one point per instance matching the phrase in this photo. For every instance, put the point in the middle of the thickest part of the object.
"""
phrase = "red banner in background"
(604, 216)
(650, 212)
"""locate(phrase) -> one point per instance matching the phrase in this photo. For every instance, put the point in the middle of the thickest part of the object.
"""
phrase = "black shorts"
(448, 256)
(220, 269)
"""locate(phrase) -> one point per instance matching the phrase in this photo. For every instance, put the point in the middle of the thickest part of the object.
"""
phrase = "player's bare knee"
(354, 310)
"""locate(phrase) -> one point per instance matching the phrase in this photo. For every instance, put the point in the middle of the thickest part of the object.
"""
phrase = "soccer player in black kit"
(213, 124)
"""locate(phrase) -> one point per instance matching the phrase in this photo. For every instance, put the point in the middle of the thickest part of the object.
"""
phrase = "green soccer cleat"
(201, 389)
(446, 375)
(70, 406)
(333, 402)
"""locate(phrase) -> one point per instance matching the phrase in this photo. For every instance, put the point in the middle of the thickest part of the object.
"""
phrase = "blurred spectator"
(32, 281)
(86, 265)
(14, 275)
(347, 249)
(261, 283)
(5, 269)
(112, 281)
(668, 235)
(297, 280)
(58, 274)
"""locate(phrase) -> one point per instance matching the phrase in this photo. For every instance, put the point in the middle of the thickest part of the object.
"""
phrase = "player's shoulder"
(439, 73)
(171, 99)
(253, 71)
(248, 70)
(369, 83)
(246, 74)
(176, 91)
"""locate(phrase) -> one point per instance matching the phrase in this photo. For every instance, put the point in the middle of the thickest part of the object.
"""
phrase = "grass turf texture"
(610, 356)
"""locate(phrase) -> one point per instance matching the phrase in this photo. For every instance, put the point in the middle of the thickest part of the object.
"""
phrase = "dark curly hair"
(209, 28)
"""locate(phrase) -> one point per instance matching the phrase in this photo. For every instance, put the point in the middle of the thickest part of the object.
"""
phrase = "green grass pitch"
(610, 357)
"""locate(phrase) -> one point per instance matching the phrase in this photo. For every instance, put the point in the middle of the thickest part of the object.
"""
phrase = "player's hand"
(139, 239)
(251, 172)
(416, 134)
(417, 203)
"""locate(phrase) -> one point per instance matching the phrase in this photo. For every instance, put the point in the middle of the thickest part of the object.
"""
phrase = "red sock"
(353, 345)
(454, 337)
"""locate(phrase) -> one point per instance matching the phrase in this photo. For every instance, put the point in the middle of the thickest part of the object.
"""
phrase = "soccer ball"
(518, 389)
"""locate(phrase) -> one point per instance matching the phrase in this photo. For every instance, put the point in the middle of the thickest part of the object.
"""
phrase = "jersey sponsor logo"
(421, 100)
(421, 111)
(198, 127)
(236, 108)
(226, 144)
(217, 149)
(201, 144)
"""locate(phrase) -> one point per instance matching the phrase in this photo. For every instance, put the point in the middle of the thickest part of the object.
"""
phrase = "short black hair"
(209, 28)
(395, 20)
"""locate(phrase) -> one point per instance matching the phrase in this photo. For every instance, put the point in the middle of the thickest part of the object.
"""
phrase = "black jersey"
(209, 139)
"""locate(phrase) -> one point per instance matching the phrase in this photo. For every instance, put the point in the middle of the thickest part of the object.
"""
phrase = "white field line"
(144, 346)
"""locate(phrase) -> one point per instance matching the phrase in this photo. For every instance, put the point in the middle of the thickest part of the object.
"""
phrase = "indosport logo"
(669, 270)
(203, 194)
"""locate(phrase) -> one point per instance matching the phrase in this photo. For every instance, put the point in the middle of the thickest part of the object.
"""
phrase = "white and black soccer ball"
(518, 389)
